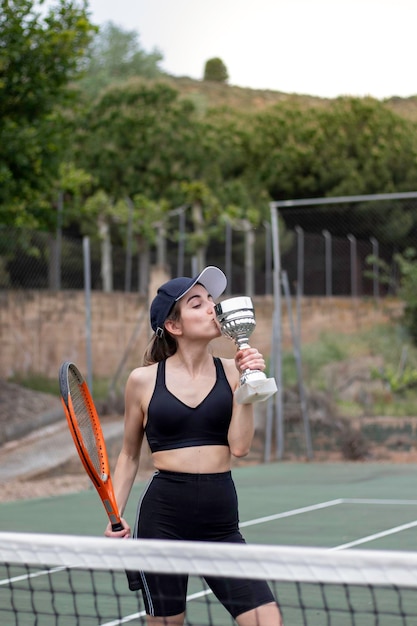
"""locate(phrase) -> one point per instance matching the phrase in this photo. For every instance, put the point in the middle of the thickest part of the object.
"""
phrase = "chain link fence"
(325, 250)
(45, 261)
(338, 244)
(321, 264)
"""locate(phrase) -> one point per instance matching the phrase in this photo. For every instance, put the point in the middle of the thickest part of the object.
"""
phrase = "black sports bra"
(172, 424)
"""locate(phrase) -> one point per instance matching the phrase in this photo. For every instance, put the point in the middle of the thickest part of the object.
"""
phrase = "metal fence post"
(87, 293)
(300, 275)
(375, 267)
(268, 259)
(181, 242)
(353, 266)
(276, 352)
(328, 261)
(129, 237)
(228, 256)
(300, 260)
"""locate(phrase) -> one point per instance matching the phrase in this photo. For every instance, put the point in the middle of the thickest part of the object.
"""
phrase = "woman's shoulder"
(142, 375)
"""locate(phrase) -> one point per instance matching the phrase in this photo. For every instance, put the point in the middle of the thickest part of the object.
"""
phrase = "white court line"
(323, 505)
(16, 579)
(304, 509)
(377, 501)
(129, 618)
(384, 533)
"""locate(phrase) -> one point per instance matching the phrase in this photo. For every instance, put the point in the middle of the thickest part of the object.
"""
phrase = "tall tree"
(371, 149)
(115, 55)
(39, 57)
(205, 210)
(281, 151)
(140, 138)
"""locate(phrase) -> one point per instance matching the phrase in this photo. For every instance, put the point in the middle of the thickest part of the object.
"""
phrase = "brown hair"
(160, 348)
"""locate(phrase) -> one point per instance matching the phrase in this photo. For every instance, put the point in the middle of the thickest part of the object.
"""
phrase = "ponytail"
(161, 347)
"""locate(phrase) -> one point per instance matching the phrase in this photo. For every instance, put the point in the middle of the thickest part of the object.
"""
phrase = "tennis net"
(50, 580)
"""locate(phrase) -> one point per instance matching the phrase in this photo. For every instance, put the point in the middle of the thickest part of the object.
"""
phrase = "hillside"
(207, 94)
(407, 107)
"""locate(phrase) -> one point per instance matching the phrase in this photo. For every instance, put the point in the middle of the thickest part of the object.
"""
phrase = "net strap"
(266, 562)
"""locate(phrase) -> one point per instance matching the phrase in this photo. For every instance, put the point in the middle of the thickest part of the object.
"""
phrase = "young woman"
(182, 399)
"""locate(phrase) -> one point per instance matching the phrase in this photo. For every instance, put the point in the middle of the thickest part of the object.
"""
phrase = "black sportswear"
(172, 424)
(193, 507)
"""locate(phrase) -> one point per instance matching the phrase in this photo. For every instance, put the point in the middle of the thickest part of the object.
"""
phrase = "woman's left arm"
(241, 429)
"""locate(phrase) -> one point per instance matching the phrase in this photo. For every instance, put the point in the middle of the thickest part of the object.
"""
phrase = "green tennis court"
(338, 506)
(304, 504)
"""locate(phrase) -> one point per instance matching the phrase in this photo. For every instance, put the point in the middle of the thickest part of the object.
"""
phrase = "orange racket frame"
(84, 425)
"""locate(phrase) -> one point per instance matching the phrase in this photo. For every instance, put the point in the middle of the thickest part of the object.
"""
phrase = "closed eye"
(194, 300)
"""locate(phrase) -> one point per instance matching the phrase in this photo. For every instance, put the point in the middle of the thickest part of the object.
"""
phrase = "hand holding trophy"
(236, 317)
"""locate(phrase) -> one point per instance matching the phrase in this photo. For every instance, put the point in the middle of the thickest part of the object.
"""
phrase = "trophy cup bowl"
(236, 317)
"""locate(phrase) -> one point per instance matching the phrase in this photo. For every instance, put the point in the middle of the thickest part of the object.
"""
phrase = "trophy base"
(256, 391)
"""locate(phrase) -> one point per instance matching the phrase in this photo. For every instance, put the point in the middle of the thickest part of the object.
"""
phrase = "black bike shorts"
(193, 507)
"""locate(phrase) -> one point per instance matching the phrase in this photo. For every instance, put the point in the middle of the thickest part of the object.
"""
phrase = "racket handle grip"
(116, 527)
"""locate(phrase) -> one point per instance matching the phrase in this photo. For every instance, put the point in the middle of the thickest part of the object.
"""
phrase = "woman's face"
(197, 316)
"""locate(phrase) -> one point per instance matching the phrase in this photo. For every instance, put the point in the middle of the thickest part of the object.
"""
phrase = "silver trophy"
(236, 317)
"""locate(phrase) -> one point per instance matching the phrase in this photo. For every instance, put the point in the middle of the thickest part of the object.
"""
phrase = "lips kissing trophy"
(236, 317)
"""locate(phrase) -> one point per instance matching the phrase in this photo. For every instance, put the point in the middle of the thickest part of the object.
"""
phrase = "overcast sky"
(318, 47)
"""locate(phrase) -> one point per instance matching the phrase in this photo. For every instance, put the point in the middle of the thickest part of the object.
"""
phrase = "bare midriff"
(194, 460)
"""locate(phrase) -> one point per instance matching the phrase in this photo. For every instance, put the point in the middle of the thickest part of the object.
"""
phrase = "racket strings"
(88, 429)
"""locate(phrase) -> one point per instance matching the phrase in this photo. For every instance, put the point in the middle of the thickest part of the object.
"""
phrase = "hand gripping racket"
(85, 428)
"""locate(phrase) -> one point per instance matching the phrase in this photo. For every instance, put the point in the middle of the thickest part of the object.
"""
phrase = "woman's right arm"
(128, 459)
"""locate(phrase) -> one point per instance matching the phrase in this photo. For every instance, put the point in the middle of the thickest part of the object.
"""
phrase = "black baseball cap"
(212, 279)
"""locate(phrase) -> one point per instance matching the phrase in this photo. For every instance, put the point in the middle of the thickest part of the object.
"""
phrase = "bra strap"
(160, 374)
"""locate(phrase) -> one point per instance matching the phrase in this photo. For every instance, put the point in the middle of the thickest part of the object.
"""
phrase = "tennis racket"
(85, 428)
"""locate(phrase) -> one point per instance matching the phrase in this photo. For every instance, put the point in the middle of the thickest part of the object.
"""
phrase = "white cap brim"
(212, 278)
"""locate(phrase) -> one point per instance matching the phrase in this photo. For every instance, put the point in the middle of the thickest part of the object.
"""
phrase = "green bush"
(407, 264)
(215, 70)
